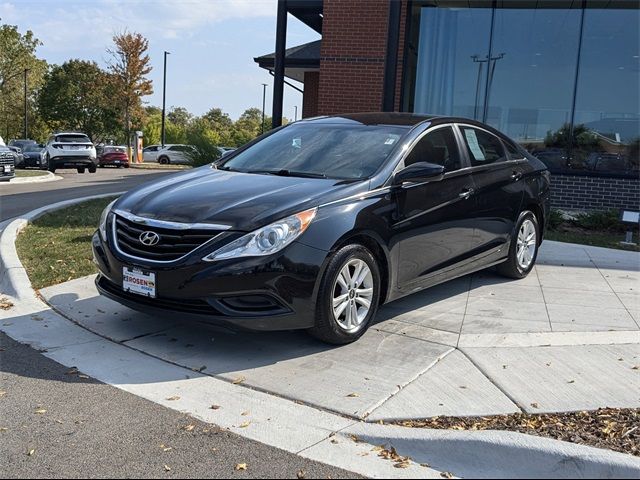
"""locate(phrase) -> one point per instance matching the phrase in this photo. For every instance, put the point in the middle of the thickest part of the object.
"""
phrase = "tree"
(77, 95)
(179, 116)
(17, 53)
(130, 66)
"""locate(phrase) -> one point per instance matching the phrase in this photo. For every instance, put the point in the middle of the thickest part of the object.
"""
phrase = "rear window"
(72, 139)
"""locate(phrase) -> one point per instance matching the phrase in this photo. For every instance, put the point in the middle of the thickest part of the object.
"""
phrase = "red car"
(114, 156)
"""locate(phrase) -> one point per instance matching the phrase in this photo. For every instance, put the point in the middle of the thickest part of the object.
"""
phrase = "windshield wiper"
(289, 173)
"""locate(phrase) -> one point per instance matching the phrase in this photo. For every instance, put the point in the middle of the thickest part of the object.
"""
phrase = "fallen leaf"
(188, 428)
(165, 448)
(2, 393)
(535, 405)
(167, 468)
(5, 304)
(571, 381)
(241, 466)
(637, 367)
(40, 411)
(31, 452)
(353, 395)
(239, 380)
(173, 399)
(214, 407)
(354, 438)
(301, 474)
(446, 475)
(244, 414)
(245, 425)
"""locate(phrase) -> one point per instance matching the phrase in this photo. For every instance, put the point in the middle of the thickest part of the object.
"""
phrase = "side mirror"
(419, 172)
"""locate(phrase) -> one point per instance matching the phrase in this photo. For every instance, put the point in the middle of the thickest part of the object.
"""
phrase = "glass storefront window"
(533, 76)
(607, 121)
(452, 49)
(560, 80)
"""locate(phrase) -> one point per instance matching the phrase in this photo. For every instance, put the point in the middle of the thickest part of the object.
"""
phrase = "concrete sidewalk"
(565, 338)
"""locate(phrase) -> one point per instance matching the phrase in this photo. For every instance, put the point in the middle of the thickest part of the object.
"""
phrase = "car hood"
(241, 201)
(31, 154)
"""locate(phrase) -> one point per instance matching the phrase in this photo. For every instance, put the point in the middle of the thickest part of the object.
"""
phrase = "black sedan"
(34, 157)
(314, 225)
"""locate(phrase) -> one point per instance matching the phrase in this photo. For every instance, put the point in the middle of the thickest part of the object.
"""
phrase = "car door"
(435, 223)
(150, 154)
(499, 187)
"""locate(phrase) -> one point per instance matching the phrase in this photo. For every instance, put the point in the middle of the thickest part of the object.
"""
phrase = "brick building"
(561, 77)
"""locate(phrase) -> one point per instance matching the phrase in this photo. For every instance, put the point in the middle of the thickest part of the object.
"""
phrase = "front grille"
(173, 244)
(6, 159)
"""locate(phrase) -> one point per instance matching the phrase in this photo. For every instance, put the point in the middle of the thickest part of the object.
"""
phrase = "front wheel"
(523, 250)
(348, 296)
(164, 161)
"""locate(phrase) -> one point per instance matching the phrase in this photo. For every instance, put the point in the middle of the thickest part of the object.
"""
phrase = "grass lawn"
(596, 239)
(158, 166)
(56, 247)
(30, 173)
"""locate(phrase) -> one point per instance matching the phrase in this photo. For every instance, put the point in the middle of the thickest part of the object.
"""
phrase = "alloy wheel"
(352, 295)
(527, 244)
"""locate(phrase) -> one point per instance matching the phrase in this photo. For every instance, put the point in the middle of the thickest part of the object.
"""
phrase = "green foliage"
(17, 53)
(608, 220)
(555, 219)
(77, 95)
(583, 138)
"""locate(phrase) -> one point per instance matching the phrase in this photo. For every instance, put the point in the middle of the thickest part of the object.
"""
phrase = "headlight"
(103, 221)
(266, 240)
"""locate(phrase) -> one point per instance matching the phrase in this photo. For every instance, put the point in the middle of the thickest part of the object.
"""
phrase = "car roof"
(391, 118)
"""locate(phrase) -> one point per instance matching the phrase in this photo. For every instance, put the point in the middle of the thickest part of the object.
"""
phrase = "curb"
(47, 177)
(282, 423)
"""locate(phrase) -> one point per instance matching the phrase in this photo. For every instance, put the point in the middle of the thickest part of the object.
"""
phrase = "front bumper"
(269, 293)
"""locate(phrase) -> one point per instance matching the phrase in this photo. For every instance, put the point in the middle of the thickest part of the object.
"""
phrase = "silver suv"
(71, 150)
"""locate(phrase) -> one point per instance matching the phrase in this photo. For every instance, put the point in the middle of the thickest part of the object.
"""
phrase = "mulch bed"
(610, 428)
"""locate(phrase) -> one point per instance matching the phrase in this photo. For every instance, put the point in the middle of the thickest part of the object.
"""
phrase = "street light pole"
(26, 118)
(164, 95)
(264, 96)
(295, 115)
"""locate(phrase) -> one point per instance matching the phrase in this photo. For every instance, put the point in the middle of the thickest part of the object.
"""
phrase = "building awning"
(300, 59)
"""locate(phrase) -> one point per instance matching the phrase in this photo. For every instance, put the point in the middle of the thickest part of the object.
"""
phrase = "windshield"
(33, 148)
(114, 149)
(72, 139)
(332, 151)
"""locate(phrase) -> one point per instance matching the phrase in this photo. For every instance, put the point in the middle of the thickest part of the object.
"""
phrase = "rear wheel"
(523, 250)
(348, 296)
(81, 170)
(163, 160)
(93, 169)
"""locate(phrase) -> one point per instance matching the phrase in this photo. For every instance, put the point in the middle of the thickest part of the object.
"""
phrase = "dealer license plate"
(135, 280)
(8, 169)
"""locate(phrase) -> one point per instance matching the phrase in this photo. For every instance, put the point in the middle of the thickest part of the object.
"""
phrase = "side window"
(483, 147)
(437, 147)
(512, 151)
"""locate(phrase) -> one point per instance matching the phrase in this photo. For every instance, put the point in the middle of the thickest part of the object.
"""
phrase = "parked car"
(316, 224)
(35, 157)
(114, 156)
(71, 150)
(7, 165)
(2, 144)
(21, 143)
(176, 154)
(608, 162)
(150, 153)
(18, 157)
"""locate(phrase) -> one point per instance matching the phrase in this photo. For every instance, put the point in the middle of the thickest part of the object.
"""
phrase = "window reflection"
(524, 76)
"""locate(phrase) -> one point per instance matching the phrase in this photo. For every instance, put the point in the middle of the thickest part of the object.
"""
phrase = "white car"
(2, 142)
(150, 153)
(71, 150)
(178, 154)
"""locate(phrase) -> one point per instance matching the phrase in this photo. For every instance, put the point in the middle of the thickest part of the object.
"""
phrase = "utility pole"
(26, 118)
(295, 115)
(264, 96)
(164, 95)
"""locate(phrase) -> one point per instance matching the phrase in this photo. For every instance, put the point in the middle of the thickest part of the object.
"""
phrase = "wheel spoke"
(339, 300)
(347, 319)
(356, 274)
(337, 311)
(364, 292)
(344, 278)
(364, 302)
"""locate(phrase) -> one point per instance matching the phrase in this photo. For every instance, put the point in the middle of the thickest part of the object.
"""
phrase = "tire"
(93, 169)
(163, 161)
(127, 165)
(513, 267)
(81, 170)
(333, 329)
(50, 166)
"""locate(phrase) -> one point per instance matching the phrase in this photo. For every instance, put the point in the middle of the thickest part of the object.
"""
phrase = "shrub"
(599, 220)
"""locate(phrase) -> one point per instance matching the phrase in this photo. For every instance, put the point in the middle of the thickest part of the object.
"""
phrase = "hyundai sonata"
(315, 224)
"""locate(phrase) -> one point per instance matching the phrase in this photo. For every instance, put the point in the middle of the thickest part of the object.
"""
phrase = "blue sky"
(212, 44)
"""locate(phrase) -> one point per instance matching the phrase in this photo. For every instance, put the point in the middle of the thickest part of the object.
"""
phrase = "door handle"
(515, 176)
(466, 193)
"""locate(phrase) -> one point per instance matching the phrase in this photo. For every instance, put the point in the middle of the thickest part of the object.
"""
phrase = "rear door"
(499, 187)
(435, 222)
